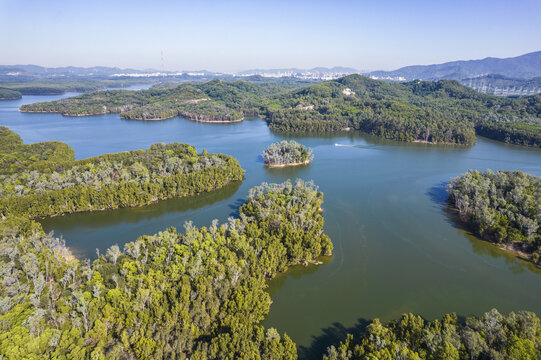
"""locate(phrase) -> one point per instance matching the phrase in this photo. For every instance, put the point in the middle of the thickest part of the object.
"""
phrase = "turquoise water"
(397, 249)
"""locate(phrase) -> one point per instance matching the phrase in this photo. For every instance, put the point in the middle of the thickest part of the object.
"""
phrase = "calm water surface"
(396, 248)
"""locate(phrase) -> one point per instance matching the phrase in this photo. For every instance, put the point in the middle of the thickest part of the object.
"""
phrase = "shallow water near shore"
(396, 247)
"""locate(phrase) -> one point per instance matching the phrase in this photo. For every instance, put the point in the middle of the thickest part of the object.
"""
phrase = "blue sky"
(236, 35)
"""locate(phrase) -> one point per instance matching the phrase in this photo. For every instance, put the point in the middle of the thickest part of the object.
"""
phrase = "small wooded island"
(502, 207)
(287, 153)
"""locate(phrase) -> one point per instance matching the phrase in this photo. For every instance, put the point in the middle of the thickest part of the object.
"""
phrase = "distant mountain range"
(315, 73)
(513, 76)
(521, 67)
(34, 72)
(21, 72)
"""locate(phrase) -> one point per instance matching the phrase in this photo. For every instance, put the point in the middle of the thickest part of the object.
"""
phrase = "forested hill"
(421, 111)
(434, 112)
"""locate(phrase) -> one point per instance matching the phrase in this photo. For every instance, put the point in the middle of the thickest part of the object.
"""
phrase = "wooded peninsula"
(442, 112)
(57, 184)
(502, 207)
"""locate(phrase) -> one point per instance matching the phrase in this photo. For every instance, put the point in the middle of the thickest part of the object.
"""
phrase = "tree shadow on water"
(332, 335)
(438, 194)
(235, 206)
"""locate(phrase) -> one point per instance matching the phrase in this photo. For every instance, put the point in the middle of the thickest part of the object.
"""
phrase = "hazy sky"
(236, 35)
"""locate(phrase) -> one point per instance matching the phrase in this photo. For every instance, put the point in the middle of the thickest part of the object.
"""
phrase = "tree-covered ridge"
(8, 94)
(57, 86)
(502, 207)
(198, 294)
(111, 181)
(492, 336)
(435, 112)
(16, 156)
(287, 153)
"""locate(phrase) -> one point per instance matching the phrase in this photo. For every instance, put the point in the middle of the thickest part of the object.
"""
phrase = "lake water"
(397, 249)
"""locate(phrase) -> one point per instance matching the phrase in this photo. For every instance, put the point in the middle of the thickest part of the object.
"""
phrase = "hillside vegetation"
(199, 294)
(501, 207)
(422, 111)
(442, 112)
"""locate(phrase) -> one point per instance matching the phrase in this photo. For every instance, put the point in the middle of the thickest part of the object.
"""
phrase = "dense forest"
(199, 294)
(492, 336)
(501, 207)
(443, 112)
(58, 184)
(287, 153)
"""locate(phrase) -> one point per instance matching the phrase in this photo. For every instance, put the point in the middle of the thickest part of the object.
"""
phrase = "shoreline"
(291, 164)
(150, 119)
(511, 248)
(154, 201)
(56, 112)
(432, 143)
(517, 251)
(215, 121)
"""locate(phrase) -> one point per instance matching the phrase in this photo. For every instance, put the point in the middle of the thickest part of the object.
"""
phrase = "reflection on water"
(136, 214)
(296, 272)
(515, 263)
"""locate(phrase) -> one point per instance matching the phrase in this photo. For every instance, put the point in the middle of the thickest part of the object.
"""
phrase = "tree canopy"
(199, 294)
(492, 336)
